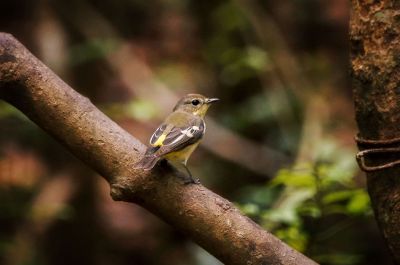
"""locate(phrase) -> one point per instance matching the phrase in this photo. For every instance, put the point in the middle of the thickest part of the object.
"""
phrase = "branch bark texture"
(375, 69)
(210, 220)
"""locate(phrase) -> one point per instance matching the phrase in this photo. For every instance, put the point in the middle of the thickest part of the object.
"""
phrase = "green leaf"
(294, 236)
(256, 58)
(337, 196)
(310, 209)
(250, 209)
(359, 203)
(295, 178)
(141, 109)
(286, 209)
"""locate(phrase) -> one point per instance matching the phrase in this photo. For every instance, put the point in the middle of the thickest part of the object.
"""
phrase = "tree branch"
(375, 68)
(210, 220)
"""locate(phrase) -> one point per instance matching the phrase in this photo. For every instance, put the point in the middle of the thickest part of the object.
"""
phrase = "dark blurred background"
(279, 144)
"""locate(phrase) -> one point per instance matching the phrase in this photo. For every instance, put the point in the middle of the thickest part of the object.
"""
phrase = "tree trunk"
(210, 220)
(375, 70)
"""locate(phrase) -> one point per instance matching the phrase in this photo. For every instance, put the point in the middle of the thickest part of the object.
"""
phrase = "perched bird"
(177, 137)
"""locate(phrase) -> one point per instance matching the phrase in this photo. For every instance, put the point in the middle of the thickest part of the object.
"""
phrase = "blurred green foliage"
(311, 192)
(142, 110)
(91, 50)
(7, 111)
(225, 48)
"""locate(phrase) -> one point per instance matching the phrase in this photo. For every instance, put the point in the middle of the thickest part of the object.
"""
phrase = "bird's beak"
(211, 100)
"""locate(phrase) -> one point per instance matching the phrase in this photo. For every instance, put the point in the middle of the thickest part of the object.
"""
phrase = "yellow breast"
(183, 155)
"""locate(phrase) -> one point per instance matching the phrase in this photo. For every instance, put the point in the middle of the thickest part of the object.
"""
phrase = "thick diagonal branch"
(211, 221)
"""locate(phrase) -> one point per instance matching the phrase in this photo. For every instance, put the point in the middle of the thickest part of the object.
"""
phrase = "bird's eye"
(195, 102)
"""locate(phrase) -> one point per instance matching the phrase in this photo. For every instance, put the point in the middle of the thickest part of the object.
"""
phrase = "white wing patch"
(157, 134)
(188, 132)
(176, 138)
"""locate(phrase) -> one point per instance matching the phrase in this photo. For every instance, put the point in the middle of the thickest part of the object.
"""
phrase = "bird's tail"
(148, 161)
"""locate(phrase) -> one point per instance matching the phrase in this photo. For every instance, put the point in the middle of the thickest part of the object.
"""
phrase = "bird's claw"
(191, 180)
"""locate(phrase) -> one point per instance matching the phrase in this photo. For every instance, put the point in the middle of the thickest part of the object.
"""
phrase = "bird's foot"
(191, 180)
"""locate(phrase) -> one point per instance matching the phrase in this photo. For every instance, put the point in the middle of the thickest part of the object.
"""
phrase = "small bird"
(179, 135)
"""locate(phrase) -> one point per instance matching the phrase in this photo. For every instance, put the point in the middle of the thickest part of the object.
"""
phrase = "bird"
(179, 135)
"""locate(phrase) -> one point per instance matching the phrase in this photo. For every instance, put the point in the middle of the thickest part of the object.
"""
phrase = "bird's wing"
(159, 135)
(170, 139)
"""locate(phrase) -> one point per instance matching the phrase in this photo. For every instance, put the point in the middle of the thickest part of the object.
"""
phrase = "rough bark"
(210, 220)
(375, 69)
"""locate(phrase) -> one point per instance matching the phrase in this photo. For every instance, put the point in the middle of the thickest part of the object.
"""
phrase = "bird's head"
(195, 103)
